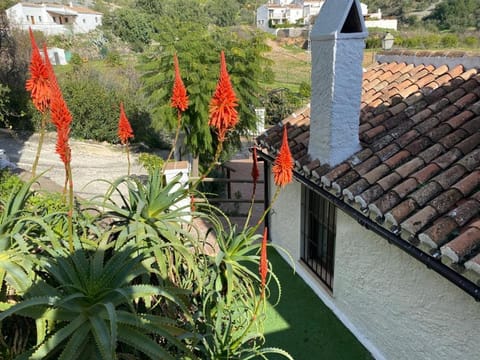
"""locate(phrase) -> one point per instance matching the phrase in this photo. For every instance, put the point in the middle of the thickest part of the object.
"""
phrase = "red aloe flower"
(125, 131)
(283, 166)
(179, 93)
(38, 84)
(263, 268)
(255, 173)
(61, 118)
(223, 115)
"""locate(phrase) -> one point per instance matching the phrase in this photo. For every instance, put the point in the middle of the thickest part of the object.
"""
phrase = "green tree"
(223, 13)
(456, 15)
(198, 48)
(93, 98)
(130, 25)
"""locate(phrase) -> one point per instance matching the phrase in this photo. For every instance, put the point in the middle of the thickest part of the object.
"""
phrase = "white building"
(383, 216)
(53, 19)
(288, 12)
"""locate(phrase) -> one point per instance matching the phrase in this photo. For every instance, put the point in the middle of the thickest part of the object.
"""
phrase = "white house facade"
(288, 12)
(383, 218)
(53, 19)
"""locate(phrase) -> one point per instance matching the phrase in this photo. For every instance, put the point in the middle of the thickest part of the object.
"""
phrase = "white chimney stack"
(337, 43)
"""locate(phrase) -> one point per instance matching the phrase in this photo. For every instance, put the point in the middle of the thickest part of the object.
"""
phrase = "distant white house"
(53, 19)
(277, 12)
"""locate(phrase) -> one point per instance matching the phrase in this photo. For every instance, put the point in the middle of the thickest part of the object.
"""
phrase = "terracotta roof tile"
(427, 125)
(409, 167)
(462, 246)
(472, 125)
(431, 153)
(426, 193)
(426, 173)
(440, 70)
(447, 113)
(471, 160)
(448, 158)
(455, 94)
(438, 132)
(418, 220)
(334, 174)
(466, 100)
(389, 181)
(460, 119)
(437, 235)
(384, 203)
(437, 104)
(475, 108)
(375, 174)
(400, 212)
(346, 180)
(469, 143)
(418, 145)
(419, 167)
(450, 176)
(464, 212)
(397, 159)
(365, 198)
(407, 138)
(446, 200)
(453, 138)
(468, 183)
(406, 187)
(456, 71)
(355, 189)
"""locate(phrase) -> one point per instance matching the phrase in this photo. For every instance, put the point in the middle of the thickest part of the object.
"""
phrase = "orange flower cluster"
(46, 94)
(263, 262)
(223, 113)
(283, 166)
(125, 131)
(179, 94)
(38, 84)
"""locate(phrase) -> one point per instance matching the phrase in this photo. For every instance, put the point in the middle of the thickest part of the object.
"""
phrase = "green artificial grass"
(302, 325)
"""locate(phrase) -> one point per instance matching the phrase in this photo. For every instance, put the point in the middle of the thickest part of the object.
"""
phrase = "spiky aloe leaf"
(72, 350)
(143, 343)
(59, 336)
(103, 337)
(44, 300)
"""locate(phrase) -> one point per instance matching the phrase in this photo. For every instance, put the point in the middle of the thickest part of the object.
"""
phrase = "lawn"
(303, 325)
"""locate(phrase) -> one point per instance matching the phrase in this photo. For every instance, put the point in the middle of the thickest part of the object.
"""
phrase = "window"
(39, 19)
(54, 19)
(318, 235)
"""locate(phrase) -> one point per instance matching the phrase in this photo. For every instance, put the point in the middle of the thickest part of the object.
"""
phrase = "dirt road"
(90, 161)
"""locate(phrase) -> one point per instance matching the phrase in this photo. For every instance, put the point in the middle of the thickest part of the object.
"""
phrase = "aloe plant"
(89, 306)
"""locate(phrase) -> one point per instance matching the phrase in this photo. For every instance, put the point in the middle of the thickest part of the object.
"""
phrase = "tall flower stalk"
(282, 172)
(62, 118)
(263, 268)
(223, 115)
(125, 133)
(179, 101)
(38, 86)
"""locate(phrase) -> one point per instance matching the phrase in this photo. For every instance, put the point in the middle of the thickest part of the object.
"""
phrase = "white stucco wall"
(38, 18)
(405, 309)
(285, 218)
(394, 305)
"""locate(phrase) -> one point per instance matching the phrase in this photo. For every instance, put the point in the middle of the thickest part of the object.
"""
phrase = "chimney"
(337, 43)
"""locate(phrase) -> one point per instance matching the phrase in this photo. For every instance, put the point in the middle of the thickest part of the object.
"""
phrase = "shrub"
(471, 41)
(450, 41)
